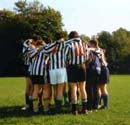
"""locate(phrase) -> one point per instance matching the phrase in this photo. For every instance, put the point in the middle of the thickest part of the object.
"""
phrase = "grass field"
(12, 98)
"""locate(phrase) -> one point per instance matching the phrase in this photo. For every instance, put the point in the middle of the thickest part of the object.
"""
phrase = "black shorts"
(38, 79)
(104, 77)
(26, 72)
(76, 73)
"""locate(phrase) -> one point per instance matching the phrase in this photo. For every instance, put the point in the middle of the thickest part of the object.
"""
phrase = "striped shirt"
(57, 56)
(25, 51)
(38, 63)
(39, 59)
(76, 51)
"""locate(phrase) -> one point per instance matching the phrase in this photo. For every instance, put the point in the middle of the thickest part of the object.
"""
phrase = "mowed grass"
(12, 98)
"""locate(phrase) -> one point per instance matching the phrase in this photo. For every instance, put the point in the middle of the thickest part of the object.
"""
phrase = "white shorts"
(58, 76)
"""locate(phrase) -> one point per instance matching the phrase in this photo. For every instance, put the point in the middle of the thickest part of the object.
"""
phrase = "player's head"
(73, 34)
(60, 36)
(36, 39)
(93, 43)
(46, 39)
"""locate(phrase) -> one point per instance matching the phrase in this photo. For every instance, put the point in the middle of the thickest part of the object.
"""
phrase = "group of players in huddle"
(64, 72)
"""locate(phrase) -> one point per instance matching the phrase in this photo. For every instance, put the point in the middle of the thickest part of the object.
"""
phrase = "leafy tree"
(21, 7)
(121, 38)
(84, 37)
(105, 42)
(44, 21)
(27, 20)
(117, 45)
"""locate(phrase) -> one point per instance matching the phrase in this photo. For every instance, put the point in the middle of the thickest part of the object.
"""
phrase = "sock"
(69, 96)
(58, 104)
(105, 100)
(78, 96)
(84, 104)
(30, 103)
(100, 101)
(40, 100)
(65, 98)
(27, 99)
(46, 105)
(74, 107)
(35, 105)
(55, 100)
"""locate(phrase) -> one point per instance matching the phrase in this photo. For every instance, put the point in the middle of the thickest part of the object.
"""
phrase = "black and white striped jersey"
(76, 51)
(25, 51)
(57, 56)
(38, 63)
(39, 59)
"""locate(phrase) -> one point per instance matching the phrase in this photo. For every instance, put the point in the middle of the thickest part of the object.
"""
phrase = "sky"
(88, 17)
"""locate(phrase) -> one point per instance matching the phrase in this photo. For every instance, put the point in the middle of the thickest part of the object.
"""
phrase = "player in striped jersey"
(57, 69)
(76, 53)
(39, 79)
(27, 45)
(39, 75)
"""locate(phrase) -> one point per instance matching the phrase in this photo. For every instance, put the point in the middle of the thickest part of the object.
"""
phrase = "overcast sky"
(88, 16)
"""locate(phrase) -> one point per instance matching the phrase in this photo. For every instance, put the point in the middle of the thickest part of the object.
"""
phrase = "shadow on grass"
(15, 111)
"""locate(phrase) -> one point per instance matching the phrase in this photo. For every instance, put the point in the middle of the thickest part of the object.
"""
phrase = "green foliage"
(21, 7)
(122, 39)
(105, 42)
(33, 18)
(50, 22)
(28, 19)
(85, 38)
(117, 45)
(44, 21)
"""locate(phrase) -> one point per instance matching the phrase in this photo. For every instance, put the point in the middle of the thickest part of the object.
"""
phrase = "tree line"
(34, 18)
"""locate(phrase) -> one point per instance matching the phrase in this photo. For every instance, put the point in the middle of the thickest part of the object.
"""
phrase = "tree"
(27, 20)
(21, 7)
(105, 42)
(84, 37)
(121, 38)
(44, 21)
(117, 45)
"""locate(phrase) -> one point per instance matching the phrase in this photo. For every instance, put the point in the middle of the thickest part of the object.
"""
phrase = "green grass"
(12, 98)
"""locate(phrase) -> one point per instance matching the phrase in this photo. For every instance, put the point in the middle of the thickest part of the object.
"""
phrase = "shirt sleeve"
(33, 52)
(104, 59)
(49, 48)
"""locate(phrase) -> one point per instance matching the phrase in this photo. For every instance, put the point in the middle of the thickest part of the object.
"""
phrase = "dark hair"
(47, 39)
(94, 42)
(59, 35)
(73, 34)
(36, 37)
